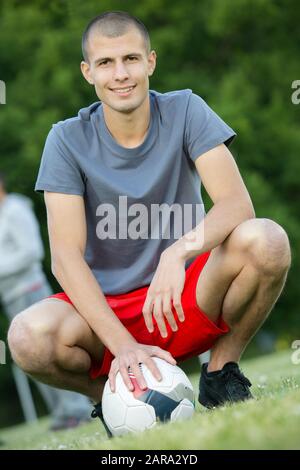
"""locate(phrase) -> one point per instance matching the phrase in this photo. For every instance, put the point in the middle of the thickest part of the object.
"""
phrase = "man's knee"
(30, 342)
(265, 243)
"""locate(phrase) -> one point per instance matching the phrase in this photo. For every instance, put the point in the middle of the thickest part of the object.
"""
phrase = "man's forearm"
(79, 283)
(218, 223)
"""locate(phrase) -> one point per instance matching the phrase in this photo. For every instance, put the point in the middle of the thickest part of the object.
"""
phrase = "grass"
(271, 421)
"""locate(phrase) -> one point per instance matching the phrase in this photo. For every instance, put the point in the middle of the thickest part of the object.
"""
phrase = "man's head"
(117, 55)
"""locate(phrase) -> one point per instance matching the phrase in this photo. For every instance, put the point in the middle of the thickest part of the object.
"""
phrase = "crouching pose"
(144, 271)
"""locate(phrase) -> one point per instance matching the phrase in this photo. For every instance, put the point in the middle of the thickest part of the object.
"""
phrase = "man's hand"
(166, 288)
(131, 355)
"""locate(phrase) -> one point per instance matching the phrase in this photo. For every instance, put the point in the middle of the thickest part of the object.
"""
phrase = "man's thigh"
(63, 323)
(224, 264)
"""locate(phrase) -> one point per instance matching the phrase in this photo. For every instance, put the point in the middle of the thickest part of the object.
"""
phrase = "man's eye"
(105, 62)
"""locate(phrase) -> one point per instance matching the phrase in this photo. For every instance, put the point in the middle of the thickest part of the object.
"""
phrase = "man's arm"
(232, 205)
(67, 234)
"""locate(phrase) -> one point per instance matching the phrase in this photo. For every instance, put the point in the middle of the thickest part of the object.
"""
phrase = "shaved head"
(113, 24)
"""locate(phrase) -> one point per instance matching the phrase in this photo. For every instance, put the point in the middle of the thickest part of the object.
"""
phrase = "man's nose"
(120, 71)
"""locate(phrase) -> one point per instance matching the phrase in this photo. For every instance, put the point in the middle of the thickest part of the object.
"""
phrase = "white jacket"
(21, 248)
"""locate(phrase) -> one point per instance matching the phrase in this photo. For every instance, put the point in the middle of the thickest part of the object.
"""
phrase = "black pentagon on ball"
(162, 404)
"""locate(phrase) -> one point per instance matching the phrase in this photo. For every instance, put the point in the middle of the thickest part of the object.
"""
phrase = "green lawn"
(271, 421)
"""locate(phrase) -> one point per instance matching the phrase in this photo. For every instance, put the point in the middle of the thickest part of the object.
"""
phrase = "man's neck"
(128, 130)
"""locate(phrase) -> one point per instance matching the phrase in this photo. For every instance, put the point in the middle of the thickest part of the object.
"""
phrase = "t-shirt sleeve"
(204, 129)
(59, 172)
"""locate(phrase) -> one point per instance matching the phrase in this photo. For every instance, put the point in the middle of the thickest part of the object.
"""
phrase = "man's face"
(119, 68)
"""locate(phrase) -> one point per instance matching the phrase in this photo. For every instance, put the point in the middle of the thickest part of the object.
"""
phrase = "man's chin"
(125, 108)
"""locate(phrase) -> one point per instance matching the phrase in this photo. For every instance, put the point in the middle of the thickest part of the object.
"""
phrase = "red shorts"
(195, 335)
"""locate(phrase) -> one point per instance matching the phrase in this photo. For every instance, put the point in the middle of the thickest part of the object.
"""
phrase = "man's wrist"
(179, 250)
(187, 247)
(124, 345)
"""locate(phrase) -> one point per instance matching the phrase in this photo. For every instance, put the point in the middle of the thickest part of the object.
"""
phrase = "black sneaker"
(223, 386)
(97, 413)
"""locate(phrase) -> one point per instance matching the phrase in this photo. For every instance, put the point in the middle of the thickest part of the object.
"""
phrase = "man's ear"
(152, 62)
(85, 70)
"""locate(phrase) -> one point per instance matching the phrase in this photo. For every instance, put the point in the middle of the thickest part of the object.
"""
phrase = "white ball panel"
(184, 410)
(139, 418)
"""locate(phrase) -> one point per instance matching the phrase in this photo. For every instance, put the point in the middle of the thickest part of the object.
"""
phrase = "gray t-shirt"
(138, 201)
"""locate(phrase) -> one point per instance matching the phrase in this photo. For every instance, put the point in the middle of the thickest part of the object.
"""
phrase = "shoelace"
(97, 413)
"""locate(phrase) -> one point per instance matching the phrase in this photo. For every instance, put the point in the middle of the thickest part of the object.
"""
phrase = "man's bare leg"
(242, 280)
(51, 342)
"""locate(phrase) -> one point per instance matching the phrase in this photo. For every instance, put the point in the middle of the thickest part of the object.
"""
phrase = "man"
(131, 291)
(23, 283)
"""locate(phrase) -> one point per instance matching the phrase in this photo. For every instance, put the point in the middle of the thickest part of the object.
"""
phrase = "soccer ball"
(171, 399)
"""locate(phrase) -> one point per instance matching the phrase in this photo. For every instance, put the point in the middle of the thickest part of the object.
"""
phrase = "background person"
(23, 283)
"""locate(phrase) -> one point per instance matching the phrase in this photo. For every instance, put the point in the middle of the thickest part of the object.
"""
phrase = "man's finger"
(147, 312)
(112, 380)
(167, 311)
(125, 376)
(162, 354)
(178, 307)
(136, 370)
(158, 315)
(150, 364)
